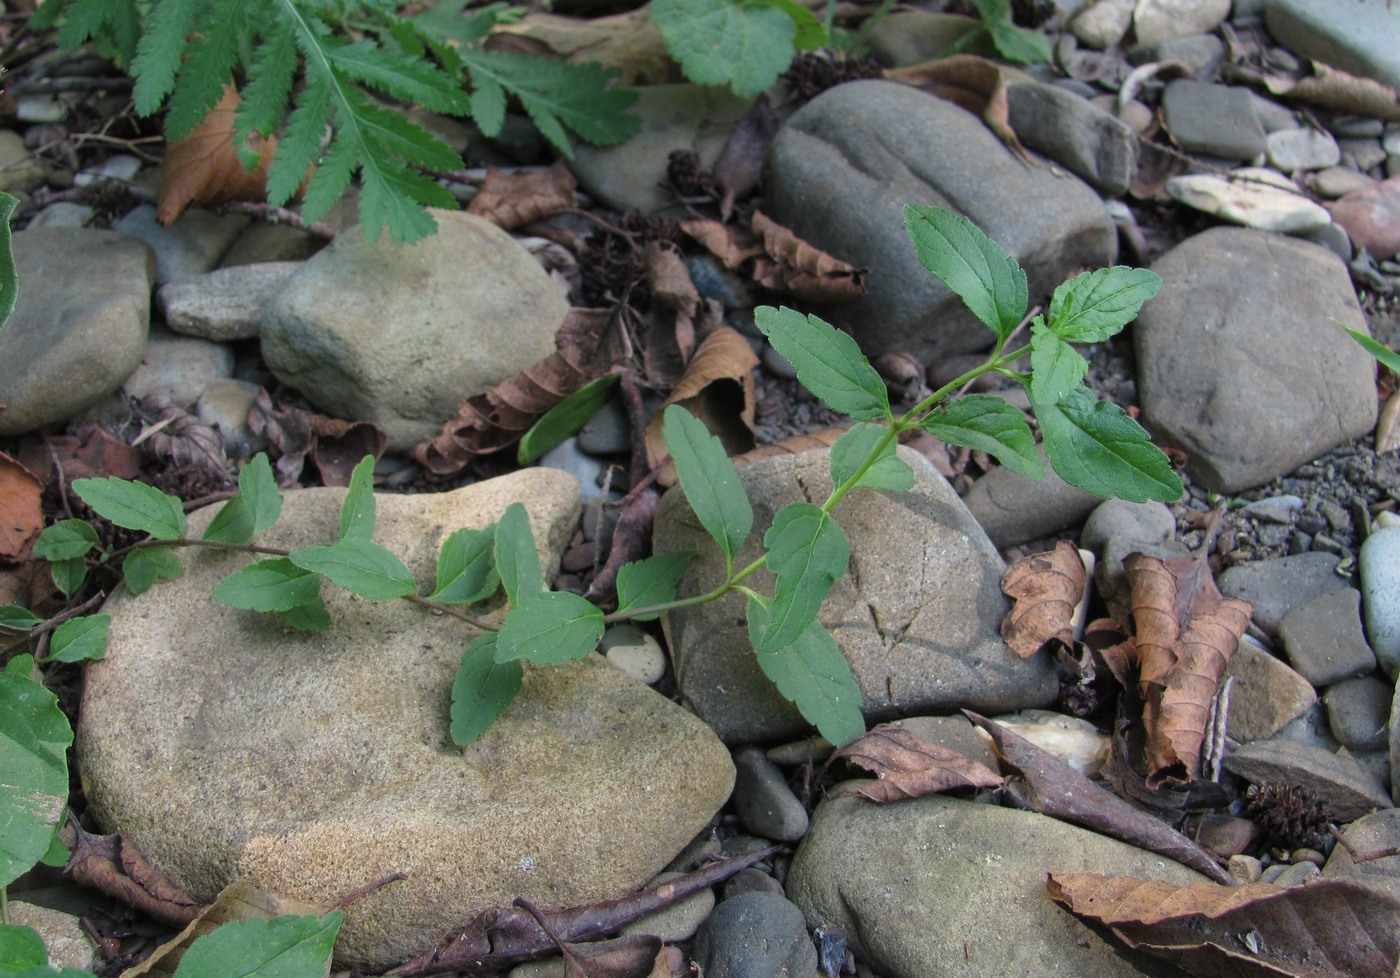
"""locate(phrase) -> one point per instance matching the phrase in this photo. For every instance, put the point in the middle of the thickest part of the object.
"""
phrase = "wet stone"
(1358, 711)
(765, 803)
(1324, 641)
(1265, 695)
(755, 935)
(1215, 120)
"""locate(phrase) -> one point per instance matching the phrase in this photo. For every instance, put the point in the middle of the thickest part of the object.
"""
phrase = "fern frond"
(401, 76)
(162, 46)
(116, 21)
(264, 104)
(301, 145)
(208, 65)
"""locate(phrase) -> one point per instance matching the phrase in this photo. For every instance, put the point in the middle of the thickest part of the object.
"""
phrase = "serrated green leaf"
(466, 568)
(264, 103)
(1388, 357)
(814, 675)
(65, 540)
(550, 628)
(258, 485)
(851, 451)
(233, 523)
(483, 689)
(828, 362)
(652, 581)
(811, 35)
(403, 77)
(134, 505)
(517, 560)
(143, 569)
(1015, 44)
(22, 619)
(979, 271)
(289, 946)
(1056, 368)
(357, 511)
(68, 575)
(309, 617)
(269, 585)
(9, 274)
(21, 947)
(158, 54)
(988, 424)
(808, 552)
(1093, 306)
(566, 418)
(1097, 447)
(711, 483)
(720, 42)
(34, 740)
(82, 639)
(21, 665)
(211, 52)
(361, 567)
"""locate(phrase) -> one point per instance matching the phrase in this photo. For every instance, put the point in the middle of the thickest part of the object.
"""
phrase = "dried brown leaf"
(93, 455)
(908, 766)
(1186, 632)
(1328, 928)
(191, 452)
(739, 169)
(1333, 89)
(796, 267)
(204, 168)
(1045, 588)
(671, 341)
(971, 83)
(630, 42)
(112, 865)
(287, 430)
(340, 445)
(793, 444)
(730, 243)
(1388, 425)
(512, 199)
(21, 509)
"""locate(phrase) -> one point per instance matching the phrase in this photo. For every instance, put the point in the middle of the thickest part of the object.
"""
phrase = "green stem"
(656, 609)
(454, 611)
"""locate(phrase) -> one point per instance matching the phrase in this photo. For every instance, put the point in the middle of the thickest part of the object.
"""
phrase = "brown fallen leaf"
(113, 866)
(908, 766)
(1045, 588)
(512, 199)
(1051, 787)
(730, 243)
(630, 42)
(781, 260)
(190, 452)
(793, 444)
(1328, 928)
(679, 317)
(739, 169)
(1321, 84)
(21, 509)
(338, 446)
(287, 430)
(203, 167)
(1388, 425)
(94, 454)
(969, 82)
(1186, 632)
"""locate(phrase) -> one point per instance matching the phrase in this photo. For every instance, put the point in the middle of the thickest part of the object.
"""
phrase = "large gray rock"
(842, 168)
(1240, 361)
(225, 745)
(79, 326)
(400, 334)
(1076, 133)
(916, 614)
(1359, 36)
(225, 304)
(940, 886)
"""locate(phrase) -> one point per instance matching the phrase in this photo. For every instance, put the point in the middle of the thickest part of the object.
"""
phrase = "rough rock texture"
(940, 886)
(1075, 133)
(916, 615)
(1220, 356)
(225, 745)
(401, 334)
(73, 338)
(842, 168)
(1360, 36)
(225, 304)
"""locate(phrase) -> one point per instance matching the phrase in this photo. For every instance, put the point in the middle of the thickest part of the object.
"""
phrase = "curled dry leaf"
(1186, 632)
(21, 512)
(630, 42)
(204, 168)
(287, 430)
(1388, 425)
(907, 766)
(671, 339)
(1045, 587)
(587, 346)
(781, 260)
(739, 169)
(338, 446)
(1331, 88)
(1328, 928)
(191, 451)
(512, 199)
(93, 454)
(971, 83)
(111, 865)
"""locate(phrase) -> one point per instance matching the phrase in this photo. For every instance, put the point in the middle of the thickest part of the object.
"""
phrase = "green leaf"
(483, 689)
(851, 451)
(290, 946)
(711, 483)
(9, 274)
(1093, 306)
(34, 740)
(21, 947)
(652, 581)
(517, 560)
(68, 575)
(309, 617)
(49, 971)
(269, 585)
(808, 552)
(233, 523)
(357, 511)
(256, 507)
(466, 570)
(976, 268)
(364, 568)
(158, 54)
(1016, 44)
(566, 418)
(550, 628)
(58, 854)
(811, 35)
(66, 540)
(1097, 447)
(988, 424)
(723, 42)
(1388, 357)
(142, 569)
(82, 639)
(21, 665)
(828, 362)
(13, 616)
(813, 674)
(1056, 369)
(134, 505)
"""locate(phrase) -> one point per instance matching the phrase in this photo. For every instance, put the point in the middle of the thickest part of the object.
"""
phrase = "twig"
(368, 888)
(277, 215)
(1359, 856)
(545, 926)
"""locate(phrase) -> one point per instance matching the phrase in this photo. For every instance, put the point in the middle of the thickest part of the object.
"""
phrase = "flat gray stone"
(842, 168)
(400, 334)
(225, 304)
(192, 245)
(923, 887)
(180, 367)
(20, 170)
(1377, 831)
(1379, 564)
(1162, 20)
(73, 338)
(765, 803)
(1323, 639)
(1075, 133)
(1359, 36)
(1275, 586)
(1265, 696)
(1012, 509)
(224, 744)
(1358, 711)
(917, 614)
(1217, 120)
(1218, 369)
(755, 935)
(1345, 787)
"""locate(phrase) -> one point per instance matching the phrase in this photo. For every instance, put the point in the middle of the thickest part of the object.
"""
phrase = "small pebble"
(765, 803)
(1307, 856)
(634, 651)
(1246, 869)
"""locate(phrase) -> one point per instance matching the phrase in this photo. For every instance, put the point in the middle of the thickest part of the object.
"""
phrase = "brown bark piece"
(1045, 587)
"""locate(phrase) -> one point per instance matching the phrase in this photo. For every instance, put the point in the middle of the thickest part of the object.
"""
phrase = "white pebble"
(635, 652)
